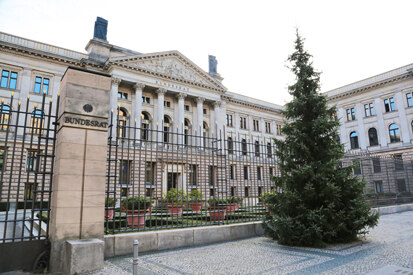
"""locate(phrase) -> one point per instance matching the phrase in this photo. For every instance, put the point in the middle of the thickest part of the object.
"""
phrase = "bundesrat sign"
(85, 122)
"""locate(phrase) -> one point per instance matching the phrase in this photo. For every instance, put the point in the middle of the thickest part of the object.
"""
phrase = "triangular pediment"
(172, 65)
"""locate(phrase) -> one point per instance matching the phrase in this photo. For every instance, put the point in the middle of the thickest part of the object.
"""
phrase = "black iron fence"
(182, 176)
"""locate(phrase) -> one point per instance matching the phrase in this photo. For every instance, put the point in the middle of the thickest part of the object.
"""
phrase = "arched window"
(269, 150)
(394, 133)
(166, 128)
(4, 117)
(187, 128)
(36, 122)
(354, 140)
(244, 147)
(257, 148)
(145, 123)
(122, 121)
(205, 133)
(373, 139)
(230, 145)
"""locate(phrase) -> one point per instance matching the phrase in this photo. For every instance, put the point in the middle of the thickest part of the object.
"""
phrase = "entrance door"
(172, 180)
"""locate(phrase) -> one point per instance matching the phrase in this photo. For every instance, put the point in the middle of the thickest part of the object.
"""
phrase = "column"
(217, 118)
(222, 123)
(343, 135)
(382, 133)
(404, 128)
(360, 126)
(24, 92)
(161, 112)
(137, 108)
(181, 116)
(200, 118)
(113, 102)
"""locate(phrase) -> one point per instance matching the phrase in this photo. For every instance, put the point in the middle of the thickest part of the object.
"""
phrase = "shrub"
(176, 196)
(137, 203)
(234, 200)
(195, 196)
(217, 202)
(110, 202)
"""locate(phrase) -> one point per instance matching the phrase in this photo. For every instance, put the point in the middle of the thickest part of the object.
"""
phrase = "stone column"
(200, 118)
(404, 128)
(114, 104)
(380, 121)
(79, 180)
(24, 92)
(360, 126)
(137, 108)
(181, 116)
(217, 118)
(161, 112)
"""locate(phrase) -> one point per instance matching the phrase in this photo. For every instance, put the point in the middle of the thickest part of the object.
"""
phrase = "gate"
(27, 151)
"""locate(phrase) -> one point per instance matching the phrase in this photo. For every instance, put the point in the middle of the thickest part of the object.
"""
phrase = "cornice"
(249, 104)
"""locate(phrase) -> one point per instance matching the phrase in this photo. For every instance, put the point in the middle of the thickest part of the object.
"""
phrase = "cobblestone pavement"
(387, 249)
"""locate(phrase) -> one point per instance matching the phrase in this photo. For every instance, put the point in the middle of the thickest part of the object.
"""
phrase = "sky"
(349, 40)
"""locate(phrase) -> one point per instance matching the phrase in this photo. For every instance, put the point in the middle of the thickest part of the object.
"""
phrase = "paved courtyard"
(388, 249)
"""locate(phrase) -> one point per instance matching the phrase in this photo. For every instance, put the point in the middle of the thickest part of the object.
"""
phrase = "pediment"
(172, 65)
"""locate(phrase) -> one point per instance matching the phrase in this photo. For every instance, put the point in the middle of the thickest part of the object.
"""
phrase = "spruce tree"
(316, 201)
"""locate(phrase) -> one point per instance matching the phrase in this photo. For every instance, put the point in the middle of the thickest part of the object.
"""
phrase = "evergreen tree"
(317, 201)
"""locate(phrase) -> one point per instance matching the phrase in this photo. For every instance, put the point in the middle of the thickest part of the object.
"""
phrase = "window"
(4, 117)
(149, 173)
(259, 191)
(122, 95)
(278, 129)
(369, 110)
(124, 192)
(145, 126)
(357, 167)
(269, 150)
(244, 147)
(354, 141)
(167, 104)
(376, 165)
(36, 122)
(394, 133)
(32, 161)
(351, 114)
(166, 128)
(122, 122)
(230, 145)
(271, 171)
(259, 174)
(8, 79)
(246, 192)
(232, 172)
(2, 159)
(334, 116)
(389, 105)
(243, 123)
(256, 124)
(205, 111)
(146, 100)
(268, 127)
(124, 172)
(212, 175)
(29, 189)
(186, 108)
(192, 174)
(398, 162)
(149, 192)
(41, 85)
(257, 148)
(229, 120)
(232, 191)
(187, 128)
(246, 176)
(211, 192)
(378, 185)
(409, 99)
(401, 185)
(373, 139)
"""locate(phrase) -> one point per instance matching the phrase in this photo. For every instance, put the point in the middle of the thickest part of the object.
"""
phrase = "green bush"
(195, 195)
(137, 203)
(265, 196)
(217, 202)
(176, 196)
(234, 200)
(110, 202)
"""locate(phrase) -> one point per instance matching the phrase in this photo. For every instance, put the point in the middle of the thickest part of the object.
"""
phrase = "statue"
(212, 64)
(101, 28)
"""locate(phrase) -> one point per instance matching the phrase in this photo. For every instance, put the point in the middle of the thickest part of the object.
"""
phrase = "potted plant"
(217, 209)
(195, 200)
(238, 201)
(136, 209)
(175, 199)
(109, 208)
(232, 204)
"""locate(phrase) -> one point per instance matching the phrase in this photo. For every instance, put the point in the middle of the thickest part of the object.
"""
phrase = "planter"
(109, 214)
(196, 206)
(175, 210)
(217, 213)
(136, 219)
(231, 207)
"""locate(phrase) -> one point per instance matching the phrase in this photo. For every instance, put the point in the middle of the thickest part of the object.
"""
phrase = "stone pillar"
(200, 118)
(360, 125)
(137, 108)
(79, 180)
(24, 92)
(114, 104)
(217, 118)
(381, 131)
(404, 128)
(161, 112)
(181, 116)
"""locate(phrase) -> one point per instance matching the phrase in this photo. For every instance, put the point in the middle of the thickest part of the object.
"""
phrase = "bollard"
(135, 257)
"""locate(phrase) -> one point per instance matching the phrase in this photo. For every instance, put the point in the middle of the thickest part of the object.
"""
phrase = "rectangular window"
(398, 162)
(146, 100)
(243, 123)
(41, 85)
(187, 108)
(29, 189)
(192, 174)
(246, 176)
(369, 110)
(278, 129)
(212, 175)
(351, 114)
(256, 124)
(232, 191)
(211, 192)
(229, 120)
(167, 104)
(378, 185)
(271, 171)
(8, 79)
(268, 127)
(357, 167)
(122, 95)
(150, 173)
(259, 175)
(232, 172)
(247, 192)
(376, 165)
(259, 191)
(409, 99)
(205, 111)
(124, 172)
(2, 159)
(389, 105)
(149, 192)
(32, 161)
(124, 191)
(401, 185)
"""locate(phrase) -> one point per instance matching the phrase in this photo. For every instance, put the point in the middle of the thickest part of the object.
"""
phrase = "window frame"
(390, 106)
